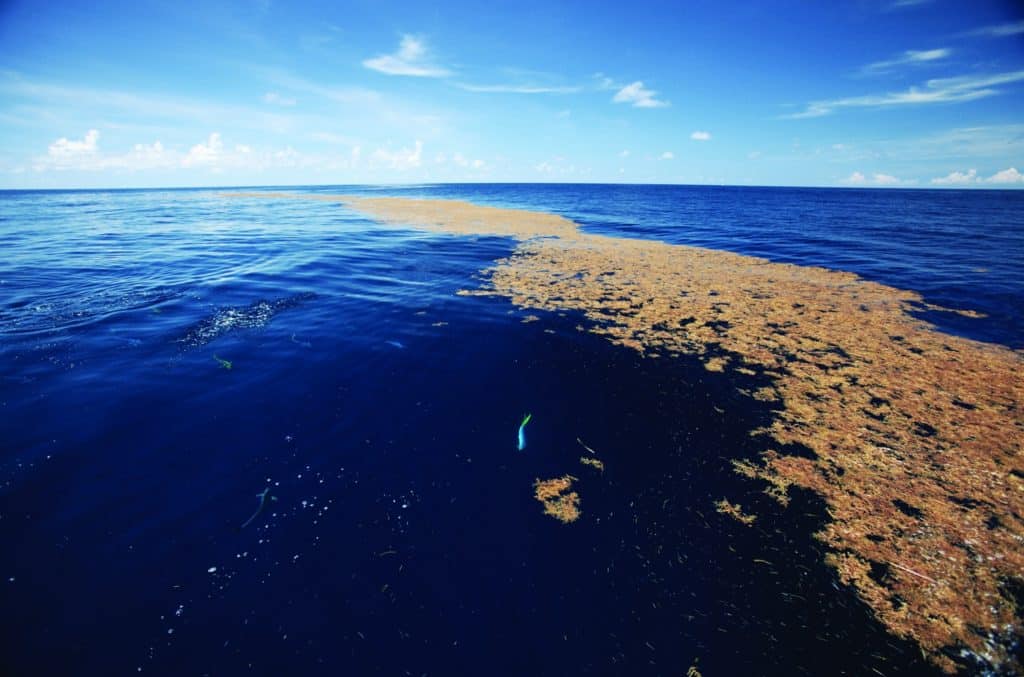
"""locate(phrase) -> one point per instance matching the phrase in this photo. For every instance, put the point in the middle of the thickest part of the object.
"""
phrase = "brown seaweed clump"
(734, 511)
(912, 437)
(594, 463)
(559, 502)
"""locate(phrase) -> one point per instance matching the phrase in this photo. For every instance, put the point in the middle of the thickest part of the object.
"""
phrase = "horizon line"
(943, 188)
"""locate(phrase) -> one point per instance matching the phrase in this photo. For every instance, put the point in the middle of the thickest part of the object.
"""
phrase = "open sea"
(266, 437)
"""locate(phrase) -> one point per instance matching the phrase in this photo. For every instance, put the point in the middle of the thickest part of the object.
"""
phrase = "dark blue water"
(381, 411)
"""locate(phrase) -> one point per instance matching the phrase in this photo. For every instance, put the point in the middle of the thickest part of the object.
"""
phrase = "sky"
(867, 93)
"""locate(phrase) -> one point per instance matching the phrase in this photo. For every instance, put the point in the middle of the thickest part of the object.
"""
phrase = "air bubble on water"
(211, 570)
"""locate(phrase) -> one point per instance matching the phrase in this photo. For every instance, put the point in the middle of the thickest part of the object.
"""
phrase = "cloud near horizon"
(957, 178)
(877, 179)
(701, 136)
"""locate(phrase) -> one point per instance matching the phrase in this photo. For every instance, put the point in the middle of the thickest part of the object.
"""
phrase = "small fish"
(397, 344)
(522, 433)
(224, 363)
(263, 503)
(304, 344)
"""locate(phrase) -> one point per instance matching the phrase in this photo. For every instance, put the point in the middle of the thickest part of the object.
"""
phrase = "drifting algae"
(912, 437)
(558, 501)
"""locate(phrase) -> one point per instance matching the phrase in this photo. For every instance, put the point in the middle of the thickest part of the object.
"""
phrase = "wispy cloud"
(668, 155)
(404, 158)
(903, 4)
(517, 89)
(999, 30)
(701, 136)
(639, 96)
(278, 100)
(939, 90)
(911, 57)
(412, 58)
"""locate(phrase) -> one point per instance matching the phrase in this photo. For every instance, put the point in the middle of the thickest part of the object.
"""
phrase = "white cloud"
(624, 153)
(753, 155)
(667, 155)
(211, 155)
(999, 30)
(900, 4)
(886, 180)
(956, 178)
(938, 90)
(517, 89)
(701, 136)
(401, 159)
(278, 100)
(877, 179)
(64, 149)
(1010, 175)
(910, 57)
(411, 59)
(204, 154)
(557, 166)
(638, 96)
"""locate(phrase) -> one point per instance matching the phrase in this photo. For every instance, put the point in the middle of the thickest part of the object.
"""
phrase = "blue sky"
(925, 93)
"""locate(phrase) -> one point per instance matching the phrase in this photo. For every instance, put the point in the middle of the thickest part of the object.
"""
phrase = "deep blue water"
(381, 411)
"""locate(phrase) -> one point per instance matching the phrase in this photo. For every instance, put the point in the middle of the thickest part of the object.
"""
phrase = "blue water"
(381, 410)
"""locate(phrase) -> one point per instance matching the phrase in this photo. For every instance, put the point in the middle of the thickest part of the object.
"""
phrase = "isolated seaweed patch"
(558, 500)
(734, 511)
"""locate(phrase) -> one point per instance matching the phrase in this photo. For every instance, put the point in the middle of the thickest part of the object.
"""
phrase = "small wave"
(252, 316)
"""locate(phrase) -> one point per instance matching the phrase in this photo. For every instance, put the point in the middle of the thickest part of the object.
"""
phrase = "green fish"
(224, 363)
(522, 434)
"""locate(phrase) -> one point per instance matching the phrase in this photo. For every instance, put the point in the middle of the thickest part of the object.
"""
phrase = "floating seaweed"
(734, 511)
(225, 364)
(558, 500)
(592, 462)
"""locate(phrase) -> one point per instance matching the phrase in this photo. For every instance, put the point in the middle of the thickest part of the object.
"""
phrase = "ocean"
(268, 436)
